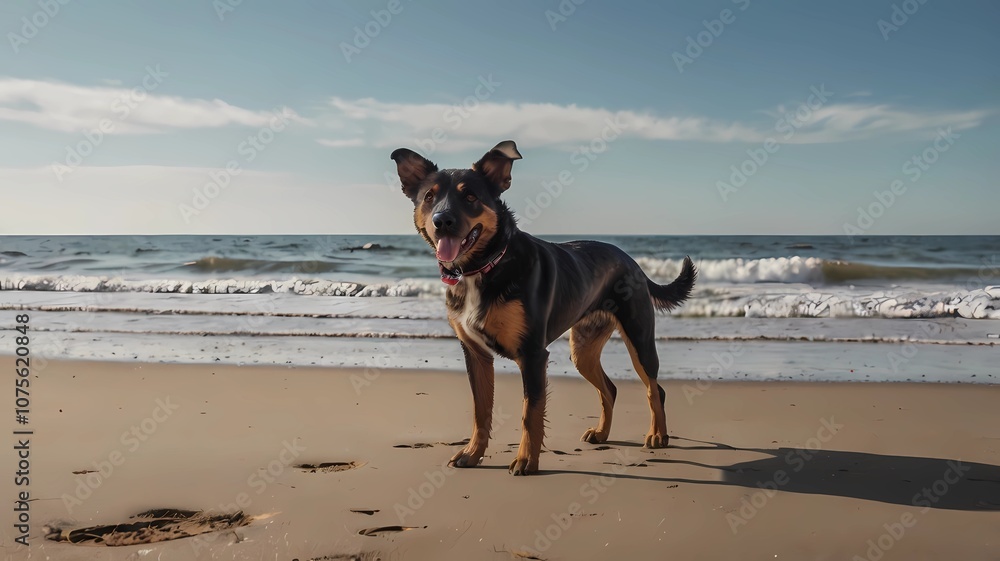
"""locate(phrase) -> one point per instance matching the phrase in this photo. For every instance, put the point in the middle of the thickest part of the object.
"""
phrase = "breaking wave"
(801, 270)
(308, 287)
(772, 300)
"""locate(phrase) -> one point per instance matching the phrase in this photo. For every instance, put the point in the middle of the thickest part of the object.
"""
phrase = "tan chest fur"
(501, 323)
(467, 318)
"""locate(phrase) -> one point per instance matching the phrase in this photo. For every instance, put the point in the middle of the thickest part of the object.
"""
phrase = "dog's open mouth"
(449, 250)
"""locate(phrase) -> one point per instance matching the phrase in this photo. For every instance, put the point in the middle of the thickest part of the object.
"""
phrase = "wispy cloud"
(532, 124)
(547, 124)
(72, 108)
(345, 143)
(854, 121)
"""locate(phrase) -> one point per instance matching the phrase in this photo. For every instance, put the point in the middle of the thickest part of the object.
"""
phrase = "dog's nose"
(443, 220)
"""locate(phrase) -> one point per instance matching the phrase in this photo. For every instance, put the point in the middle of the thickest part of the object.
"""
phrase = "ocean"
(343, 300)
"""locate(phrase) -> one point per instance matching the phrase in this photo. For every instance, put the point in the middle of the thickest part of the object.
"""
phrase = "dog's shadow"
(939, 483)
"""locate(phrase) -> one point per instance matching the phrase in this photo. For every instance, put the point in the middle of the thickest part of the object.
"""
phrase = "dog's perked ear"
(497, 163)
(412, 169)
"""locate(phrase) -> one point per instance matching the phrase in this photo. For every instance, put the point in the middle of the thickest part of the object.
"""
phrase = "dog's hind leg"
(586, 341)
(637, 331)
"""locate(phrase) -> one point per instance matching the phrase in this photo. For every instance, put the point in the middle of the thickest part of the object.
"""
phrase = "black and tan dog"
(512, 294)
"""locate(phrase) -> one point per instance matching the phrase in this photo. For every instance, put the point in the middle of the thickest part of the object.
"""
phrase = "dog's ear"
(412, 169)
(497, 163)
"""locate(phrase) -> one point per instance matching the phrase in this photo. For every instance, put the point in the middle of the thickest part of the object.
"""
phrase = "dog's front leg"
(479, 364)
(533, 367)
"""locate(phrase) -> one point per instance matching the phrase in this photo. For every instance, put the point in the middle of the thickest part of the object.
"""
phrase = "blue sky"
(785, 119)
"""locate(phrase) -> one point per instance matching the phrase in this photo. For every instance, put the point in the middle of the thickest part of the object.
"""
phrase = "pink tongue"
(447, 249)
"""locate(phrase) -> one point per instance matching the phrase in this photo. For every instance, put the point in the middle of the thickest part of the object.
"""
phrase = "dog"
(511, 294)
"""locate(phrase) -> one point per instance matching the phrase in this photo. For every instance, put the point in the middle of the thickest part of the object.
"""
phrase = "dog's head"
(458, 211)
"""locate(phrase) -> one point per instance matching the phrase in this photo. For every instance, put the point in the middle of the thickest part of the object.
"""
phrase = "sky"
(689, 117)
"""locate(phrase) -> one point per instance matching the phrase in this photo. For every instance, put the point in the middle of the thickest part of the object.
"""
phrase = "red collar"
(452, 277)
(489, 264)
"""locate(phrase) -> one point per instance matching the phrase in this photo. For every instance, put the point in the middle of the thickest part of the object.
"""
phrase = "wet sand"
(758, 470)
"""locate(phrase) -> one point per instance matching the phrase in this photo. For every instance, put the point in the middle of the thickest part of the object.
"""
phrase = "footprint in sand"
(329, 467)
(383, 530)
(431, 445)
(634, 464)
(151, 526)
(363, 556)
(517, 554)
(560, 453)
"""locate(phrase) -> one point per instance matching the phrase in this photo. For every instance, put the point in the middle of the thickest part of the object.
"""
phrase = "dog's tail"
(666, 297)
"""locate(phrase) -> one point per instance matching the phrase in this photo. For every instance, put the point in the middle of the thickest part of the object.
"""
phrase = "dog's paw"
(468, 457)
(594, 436)
(523, 466)
(654, 440)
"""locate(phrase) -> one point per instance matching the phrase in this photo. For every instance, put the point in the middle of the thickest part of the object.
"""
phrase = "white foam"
(81, 283)
(901, 304)
(407, 287)
(766, 300)
(773, 269)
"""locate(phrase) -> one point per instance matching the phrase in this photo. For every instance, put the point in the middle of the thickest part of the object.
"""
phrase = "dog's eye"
(471, 198)
(429, 196)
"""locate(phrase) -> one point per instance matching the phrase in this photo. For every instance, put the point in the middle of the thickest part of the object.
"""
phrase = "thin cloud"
(345, 143)
(565, 126)
(840, 123)
(67, 107)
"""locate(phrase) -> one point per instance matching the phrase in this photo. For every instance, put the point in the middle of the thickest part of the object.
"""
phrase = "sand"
(754, 471)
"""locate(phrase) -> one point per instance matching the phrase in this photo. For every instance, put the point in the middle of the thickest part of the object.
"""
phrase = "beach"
(299, 397)
(255, 254)
(754, 470)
